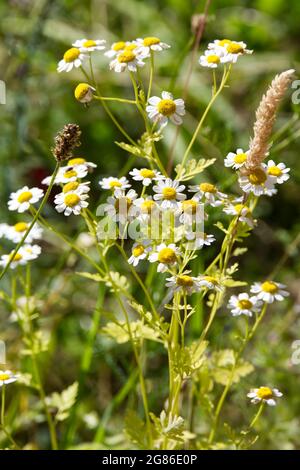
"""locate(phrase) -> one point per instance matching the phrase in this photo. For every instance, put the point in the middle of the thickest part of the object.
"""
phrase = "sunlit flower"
(25, 253)
(237, 208)
(119, 206)
(199, 239)
(169, 192)
(16, 232)
(71, 202)
(147, 208)
(210, 282)
(236, 160)
(139, 251)
(165, 255)
(72, 58)
(22, 199)
(191, 211)
(164, 108)
(114, 183)
(67, 174)
(75, 161)
(31, 252)
(84, 92)
(183, 283)
(211, 58)
(129, 59)
(257, 181)
(264, 394)
(7, 377)
(145, 175)
(208, 193)
(89, 45)
(269, 291)
(278, 172)
(243, 304)
(76, 186)
(151, 43)
(4, 230)
(116, 48)
(231, 50)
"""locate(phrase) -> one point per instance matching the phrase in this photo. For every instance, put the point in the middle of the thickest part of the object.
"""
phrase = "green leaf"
(63, 401)
(135, 429)
(119, 331)
(93, 277)
(193, 168)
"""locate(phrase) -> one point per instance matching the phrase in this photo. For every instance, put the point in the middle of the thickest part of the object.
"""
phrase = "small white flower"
(16, 232)
(278, 172)
(147, 208)
(243, 304)
(4, 230)
(166, 255)
(211, 58)
(31, 252)
(240, 209)
(199, 239)
(68, 174)
(22, 199)
(140, 251)
(231, 50)
(77, 187)
(71, 202)
(148, 44)
(191, 211)
(72, 58)
(264, 394)
(236, 160)
(7, 377)
(114, 183)
(116, 48)
(119, 206)
(89, 45)
(164, 108)
(258, 182)
(183, 283)
(145, 175)
(128, 58)
(269, 291)
(80, 161)
(25, 253)
(169, 192)
(210, 282)
(209, 193)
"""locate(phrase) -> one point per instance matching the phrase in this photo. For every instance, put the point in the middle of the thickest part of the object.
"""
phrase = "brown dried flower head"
(66, 141)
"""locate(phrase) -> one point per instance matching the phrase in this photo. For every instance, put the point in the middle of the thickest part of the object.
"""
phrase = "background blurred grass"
(34, 35)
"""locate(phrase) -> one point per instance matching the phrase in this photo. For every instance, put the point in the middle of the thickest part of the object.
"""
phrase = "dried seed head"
(66, 141)
(265, 118)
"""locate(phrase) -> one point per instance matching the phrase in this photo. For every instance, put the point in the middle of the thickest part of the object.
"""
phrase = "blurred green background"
(34, 36)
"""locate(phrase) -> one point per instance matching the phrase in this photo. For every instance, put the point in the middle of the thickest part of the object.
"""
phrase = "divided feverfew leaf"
(225, 369)
(138, 330)
(63, 401)
(193, 168)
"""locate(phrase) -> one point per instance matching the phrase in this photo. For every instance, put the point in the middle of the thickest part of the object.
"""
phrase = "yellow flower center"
(210, 279)
(234, 48)
(207, 188)
(224, 42)
(126, 56)
(115, 184)
(240, 158)
(257, 177)
(118, 46)
(270, 287)
(25, 196)
(70, 174)
(166, 107)
(70, 186)
(81, 90)
(122, 202)
(167, 256)
(71, 54)
(169, 193)
(239, 207)
(189, 206)
(145, 173)
(76, 161)
(213, 59)
(138, 250)
(20, 227)
(264, 393)
(147, 206)
(71, 200)
(274, 171)
(184, 281)
(17, 257)
(130, 47)
(89, 43)
(151, 41)
(245, 304)
(4, 377)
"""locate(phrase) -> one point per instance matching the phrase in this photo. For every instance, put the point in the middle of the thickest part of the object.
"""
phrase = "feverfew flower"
(231, 50)
(4, 229)
(196, 240)
(31, 252)
(16, 232)
(264, 394)
(68, 174)
(71, 202)
(183, 283)
(166, 255)
(209, 193)
(146, 208)
(7, 377)
(89, 45)
(192, 211)
(72, 58)
(119, 205)
(149, 44)
(211, 58)
(236, 160)
(169, 192)
(258, 182)
(243, 211)
(114, 183)
(244, 305)
(127, 59)
(145, 175)
(25, 253)
(116, 48)
(164, 108)
(269, 291)
(278, 172)
(140, 251)
(80, 161)
(76, 186)
(84, 92)
(210, 282)
(22, 199)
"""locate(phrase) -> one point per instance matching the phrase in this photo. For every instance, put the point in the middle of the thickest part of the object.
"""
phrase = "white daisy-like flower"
(231, 50)
(279, 172)
(162, 109)
(89, 45)
(25, 253)
(68, 174)
(191, 211)
(264, 394)
(236, 160)
(71, 202)
(196, 240)
(147, 208)
(119, 206)
(183, 283)
(114, 183)
(80, 161)
(168, 193)
(22, 199)
(210, 282)
(145, 175)
(237, 208)
(139, 251)
(76, 186)
(151, 43)
(7, 377)
(165, 255)
(129, 59)
(72, 58)
(84, 93)
(269, 291)
(258, 182)
(208, 193)
(211, 58)
(4, 230)
(31, 252)
(16, 232)
(116, 48)
(243, 304)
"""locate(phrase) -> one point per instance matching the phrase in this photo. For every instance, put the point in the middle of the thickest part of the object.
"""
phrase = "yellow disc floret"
(169, 193)
(119, 46)
(16, 257)
(245, 304)
(25, 196)
(151, 41)
(20, 227)
(234, 48)
(138, 250)
(145, 173)
(213, 59)
(126, 56)
(184, 281)
(269, 287)
(72, 186)
(264, 393)
(76, 161)
(257, 177)
(274, 171)
(240, 158)
(4, 377)
(166, 107)
(207, 188)
(71, 54)
(167, 256)
(89, 43)
(189, 206)
(82, 90)
(71, 200)
(147, 206)
(70, 174)
(115, 184)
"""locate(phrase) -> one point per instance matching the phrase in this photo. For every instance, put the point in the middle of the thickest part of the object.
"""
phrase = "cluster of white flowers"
(223, 51)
